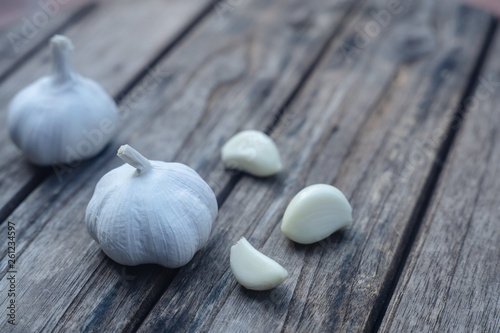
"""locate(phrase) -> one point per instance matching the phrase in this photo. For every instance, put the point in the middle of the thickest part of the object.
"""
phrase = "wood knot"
(301, 21)
(414, 44)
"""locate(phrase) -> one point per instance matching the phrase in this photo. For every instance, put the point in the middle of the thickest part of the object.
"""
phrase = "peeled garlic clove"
(315, 213)
(63, 117)
(253, 152)
(151, 212)
(252, 269)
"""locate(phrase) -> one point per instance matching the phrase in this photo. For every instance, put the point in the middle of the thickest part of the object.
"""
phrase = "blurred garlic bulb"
(151, 212)
(63, 117)
(253, 152)
(315, 213)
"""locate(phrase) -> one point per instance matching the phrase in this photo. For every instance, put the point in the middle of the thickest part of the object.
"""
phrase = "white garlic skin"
(315, 213)
(253, 152)
(254, 270)
(63, 117)
(163, 215)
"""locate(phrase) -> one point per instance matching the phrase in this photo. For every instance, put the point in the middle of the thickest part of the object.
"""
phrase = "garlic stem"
(62, 68)
(134, 158)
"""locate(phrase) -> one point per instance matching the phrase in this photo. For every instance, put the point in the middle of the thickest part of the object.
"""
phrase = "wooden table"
(394, 104)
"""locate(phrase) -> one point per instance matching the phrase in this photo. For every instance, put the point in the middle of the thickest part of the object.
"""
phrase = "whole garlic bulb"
(151, 212)
(63, 117)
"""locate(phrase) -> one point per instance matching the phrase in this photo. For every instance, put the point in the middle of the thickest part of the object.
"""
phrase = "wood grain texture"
(451, 281)
(359, 127)
(240, 69)
(359, 123)
(22, 38)
(99, 56)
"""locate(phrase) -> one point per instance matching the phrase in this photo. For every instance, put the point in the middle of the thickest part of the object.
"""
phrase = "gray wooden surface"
(375, 115)
(451, 281)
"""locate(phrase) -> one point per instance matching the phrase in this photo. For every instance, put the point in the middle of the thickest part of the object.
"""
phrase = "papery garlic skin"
(253, 152)
(252, 269)
(63, 117)
(315, 213)
(151, 212)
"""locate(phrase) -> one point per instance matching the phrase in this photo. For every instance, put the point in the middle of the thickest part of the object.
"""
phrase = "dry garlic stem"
(253, 152)
(315, 213)
(252, 269)
(132, 157)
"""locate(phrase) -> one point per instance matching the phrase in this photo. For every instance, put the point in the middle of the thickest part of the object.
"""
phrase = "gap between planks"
(457, 245)
(431, 182)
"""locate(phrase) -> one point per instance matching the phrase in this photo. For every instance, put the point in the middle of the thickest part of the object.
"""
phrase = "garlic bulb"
(63, 117)
(151, 212)
(253, 152)
(252, 269)
(315, 213)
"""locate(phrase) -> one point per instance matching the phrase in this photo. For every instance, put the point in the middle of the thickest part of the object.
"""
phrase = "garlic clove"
(315, 213)
(253, 152)
(252, 269)
(63, 117)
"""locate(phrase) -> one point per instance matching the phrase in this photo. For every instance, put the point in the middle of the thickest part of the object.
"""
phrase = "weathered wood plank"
(358, 127)
(148, 27)
(257, 56)
(451, 281)
(20, 39)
